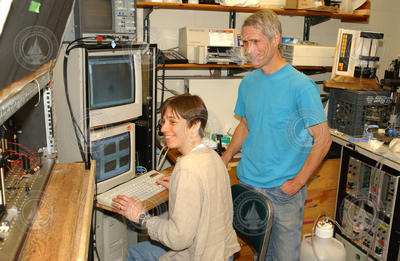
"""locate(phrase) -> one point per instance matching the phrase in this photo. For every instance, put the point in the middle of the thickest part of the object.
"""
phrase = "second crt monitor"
(114, 85)
(113, 148)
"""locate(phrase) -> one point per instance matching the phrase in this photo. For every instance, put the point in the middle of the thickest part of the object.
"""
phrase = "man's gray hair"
(267, 20)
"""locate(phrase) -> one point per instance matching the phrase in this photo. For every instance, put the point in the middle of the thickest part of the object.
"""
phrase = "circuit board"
(23, 192)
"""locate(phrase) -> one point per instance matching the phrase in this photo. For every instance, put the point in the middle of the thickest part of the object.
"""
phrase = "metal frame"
(13, 101)
(312, 20)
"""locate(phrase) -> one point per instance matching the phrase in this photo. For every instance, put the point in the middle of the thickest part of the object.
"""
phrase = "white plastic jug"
(326, 247)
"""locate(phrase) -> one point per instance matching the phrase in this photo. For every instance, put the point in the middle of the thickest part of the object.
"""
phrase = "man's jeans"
(285, 237)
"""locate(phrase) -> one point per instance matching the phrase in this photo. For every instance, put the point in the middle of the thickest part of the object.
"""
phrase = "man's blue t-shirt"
(278, 109)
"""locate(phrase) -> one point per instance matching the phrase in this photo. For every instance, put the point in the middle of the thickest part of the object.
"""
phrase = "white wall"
(384, 18)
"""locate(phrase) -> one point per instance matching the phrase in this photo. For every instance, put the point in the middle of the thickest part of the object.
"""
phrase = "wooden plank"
(318, 202)
(352, 83)
(15, 87)
(234, 66)
(83, 237)
(321, 193)
(221, 8)
(326, 176)
(61, 228)
(246, 253)
(204, 66)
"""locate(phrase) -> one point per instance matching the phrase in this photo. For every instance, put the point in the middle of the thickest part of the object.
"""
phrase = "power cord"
(77, 43)
(162, 157)
(77, 130)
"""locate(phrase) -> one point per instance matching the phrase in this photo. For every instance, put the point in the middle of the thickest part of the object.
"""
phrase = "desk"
(383, 154)
(368, 184)
(61, 228)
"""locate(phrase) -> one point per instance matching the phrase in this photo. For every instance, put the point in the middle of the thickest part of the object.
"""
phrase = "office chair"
(252, 218)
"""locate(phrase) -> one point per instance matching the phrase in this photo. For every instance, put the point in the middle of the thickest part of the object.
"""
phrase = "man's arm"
(320, 147)
(238, 138)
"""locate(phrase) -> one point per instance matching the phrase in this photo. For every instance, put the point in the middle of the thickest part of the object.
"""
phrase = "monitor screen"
(112, 156)
(111, 81)
(115, 19)
(114, 85)
(113, 149)
(96, 16)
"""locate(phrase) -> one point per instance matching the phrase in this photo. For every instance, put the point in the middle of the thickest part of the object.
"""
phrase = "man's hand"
(131, 208)
(164, 181)
(237, 140)
(291, 187)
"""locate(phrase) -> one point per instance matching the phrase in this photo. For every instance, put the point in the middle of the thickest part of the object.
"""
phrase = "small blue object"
(113, 44)
(393, 133)
(288, 40)
(361, 140)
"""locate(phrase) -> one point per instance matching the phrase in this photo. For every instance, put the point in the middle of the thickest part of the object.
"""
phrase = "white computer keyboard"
(143, 187)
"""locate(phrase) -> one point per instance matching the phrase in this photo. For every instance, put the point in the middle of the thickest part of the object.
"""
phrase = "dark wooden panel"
(22, 29)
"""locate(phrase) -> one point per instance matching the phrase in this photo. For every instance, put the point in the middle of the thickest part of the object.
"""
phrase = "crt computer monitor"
(113, 149)
(106, 17)
(114, 85)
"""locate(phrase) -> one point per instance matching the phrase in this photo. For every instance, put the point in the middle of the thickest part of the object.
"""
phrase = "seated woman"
(199, 226)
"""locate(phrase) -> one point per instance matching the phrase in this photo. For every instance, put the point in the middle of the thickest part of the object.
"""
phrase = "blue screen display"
(112, 155)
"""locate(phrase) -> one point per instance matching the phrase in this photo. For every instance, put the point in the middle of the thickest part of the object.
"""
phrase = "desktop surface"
(61, 228)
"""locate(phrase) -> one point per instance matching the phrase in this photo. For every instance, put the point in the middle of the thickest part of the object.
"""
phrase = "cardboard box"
(302, 4)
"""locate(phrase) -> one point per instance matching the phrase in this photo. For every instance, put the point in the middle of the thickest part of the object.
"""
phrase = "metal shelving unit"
(310, 17)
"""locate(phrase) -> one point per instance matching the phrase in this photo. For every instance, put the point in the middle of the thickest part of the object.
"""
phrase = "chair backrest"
(252, 217)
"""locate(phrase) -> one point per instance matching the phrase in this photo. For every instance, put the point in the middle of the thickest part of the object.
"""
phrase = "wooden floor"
(245, 254)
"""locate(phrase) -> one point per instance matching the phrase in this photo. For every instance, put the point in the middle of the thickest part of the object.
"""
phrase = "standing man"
(283, 132)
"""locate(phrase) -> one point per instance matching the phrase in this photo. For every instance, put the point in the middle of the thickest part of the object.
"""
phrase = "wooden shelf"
(356, 18)
(201, 66)
(233, 66)
(15, 95)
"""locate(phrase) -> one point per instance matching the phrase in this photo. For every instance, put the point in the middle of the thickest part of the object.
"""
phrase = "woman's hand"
(164, 181)
(131, 208)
